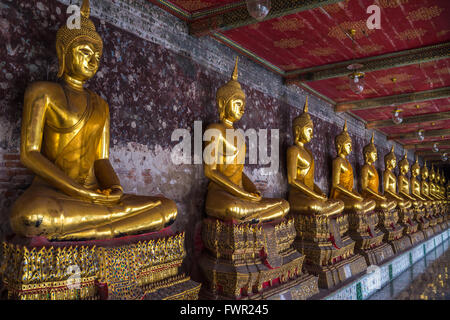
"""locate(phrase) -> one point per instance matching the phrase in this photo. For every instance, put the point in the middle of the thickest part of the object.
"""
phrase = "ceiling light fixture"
(356, 78)
(421, 134)
(397, 116)
(435, 147)
(258, 9)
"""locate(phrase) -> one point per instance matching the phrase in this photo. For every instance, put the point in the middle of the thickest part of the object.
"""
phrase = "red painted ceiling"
(318, 37)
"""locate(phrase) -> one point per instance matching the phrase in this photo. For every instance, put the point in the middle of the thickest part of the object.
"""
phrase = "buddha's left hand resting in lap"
(65, 141)
(232, 196)
(305, 197)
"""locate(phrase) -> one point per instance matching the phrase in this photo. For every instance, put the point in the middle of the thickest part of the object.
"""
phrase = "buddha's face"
(391, 163)
(305, 133)
(432, 176)
(415, 171)
(371, 156)
(345, 148)
(424, 174)
(404, 168)
(82, 60)
(234, 109)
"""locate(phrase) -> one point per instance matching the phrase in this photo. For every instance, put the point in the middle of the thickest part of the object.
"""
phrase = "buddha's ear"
(221, 107)
(61, 53)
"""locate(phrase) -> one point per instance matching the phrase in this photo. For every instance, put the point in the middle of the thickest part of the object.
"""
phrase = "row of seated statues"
(254, 246)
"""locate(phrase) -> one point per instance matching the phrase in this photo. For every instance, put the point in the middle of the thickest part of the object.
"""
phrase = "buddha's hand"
(255, 196)
(107, 196)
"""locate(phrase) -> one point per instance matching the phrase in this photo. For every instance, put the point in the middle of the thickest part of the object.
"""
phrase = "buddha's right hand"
(254, 196)
(90, 195)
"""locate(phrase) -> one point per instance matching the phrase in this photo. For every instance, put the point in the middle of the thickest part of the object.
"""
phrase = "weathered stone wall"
(156, 78)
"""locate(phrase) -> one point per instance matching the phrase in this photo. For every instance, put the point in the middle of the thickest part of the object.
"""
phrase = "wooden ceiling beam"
(413, 135)
(431, 153)
(400, 99)
(239, 17)
(409, 120)
(381, 62)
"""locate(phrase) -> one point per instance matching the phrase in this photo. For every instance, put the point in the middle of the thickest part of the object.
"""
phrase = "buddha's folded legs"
(148, 221)
(385, 205)
(304, 205)
(354, 205)
(45, 211)
(222, 205)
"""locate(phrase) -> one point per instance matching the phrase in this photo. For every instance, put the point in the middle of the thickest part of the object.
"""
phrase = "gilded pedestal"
(329, 250)
(393, 231)
(410, 227)
(364, 230)
(252, 261)
(134, 267)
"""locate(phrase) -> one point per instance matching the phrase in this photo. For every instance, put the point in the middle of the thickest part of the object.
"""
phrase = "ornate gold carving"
(130, 271)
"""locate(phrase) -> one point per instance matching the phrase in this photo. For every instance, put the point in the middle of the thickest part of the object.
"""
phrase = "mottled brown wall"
(153, 89)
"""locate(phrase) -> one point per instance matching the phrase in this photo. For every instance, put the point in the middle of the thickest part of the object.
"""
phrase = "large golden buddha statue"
(65, 141)
(342, 177)
(231, 193)
(422, 216)
(370, 181)
(248, 241)
(322, 228)
(390, 181)
(363, 219)
(388, 216)
(305, 197)
(404, 185)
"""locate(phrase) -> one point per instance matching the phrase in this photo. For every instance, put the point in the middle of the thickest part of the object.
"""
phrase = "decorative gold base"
(400, 245)
(185, 290)
(301, 288)
(437, 229)
(332, 275)
(245, 261)
(363, 229)
(376, 255)
(416, 237)
(428, 233)
(406, 220)
(121, 268)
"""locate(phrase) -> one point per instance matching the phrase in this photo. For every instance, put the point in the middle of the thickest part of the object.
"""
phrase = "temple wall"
(156, 79)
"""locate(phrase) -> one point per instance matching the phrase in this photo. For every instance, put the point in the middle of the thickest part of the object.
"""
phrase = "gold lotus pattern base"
(250, 261)
(332, 275)
(116, 269)
(328, 248)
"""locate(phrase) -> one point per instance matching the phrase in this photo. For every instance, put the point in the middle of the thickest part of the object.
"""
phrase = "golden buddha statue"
(305, 197)
(248, 242)
(390, 181)
(415, 184)
(65, 141)
(424, 186)
(342, 177)
(370, 181)
(403, 183)
(231, 193)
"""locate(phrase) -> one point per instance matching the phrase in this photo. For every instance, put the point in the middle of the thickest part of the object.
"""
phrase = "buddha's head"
(370, 152)
(404, 164)
(415, 168)
(79, 50)
(432, 174)
(424, 172)
(343, 142)
(390, 161)
(302, 126)
(231, 99)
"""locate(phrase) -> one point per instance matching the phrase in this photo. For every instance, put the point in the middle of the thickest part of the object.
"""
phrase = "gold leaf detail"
(289, 43)
(425, 14)
(322, 51)
(411, 34)
(288, 24)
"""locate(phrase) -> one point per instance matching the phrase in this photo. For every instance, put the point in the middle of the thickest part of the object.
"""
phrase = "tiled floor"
(427, 279)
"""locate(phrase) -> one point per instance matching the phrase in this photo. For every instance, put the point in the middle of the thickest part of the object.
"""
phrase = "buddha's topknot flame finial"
(305, 108)
(235, 71)
(85, 9)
